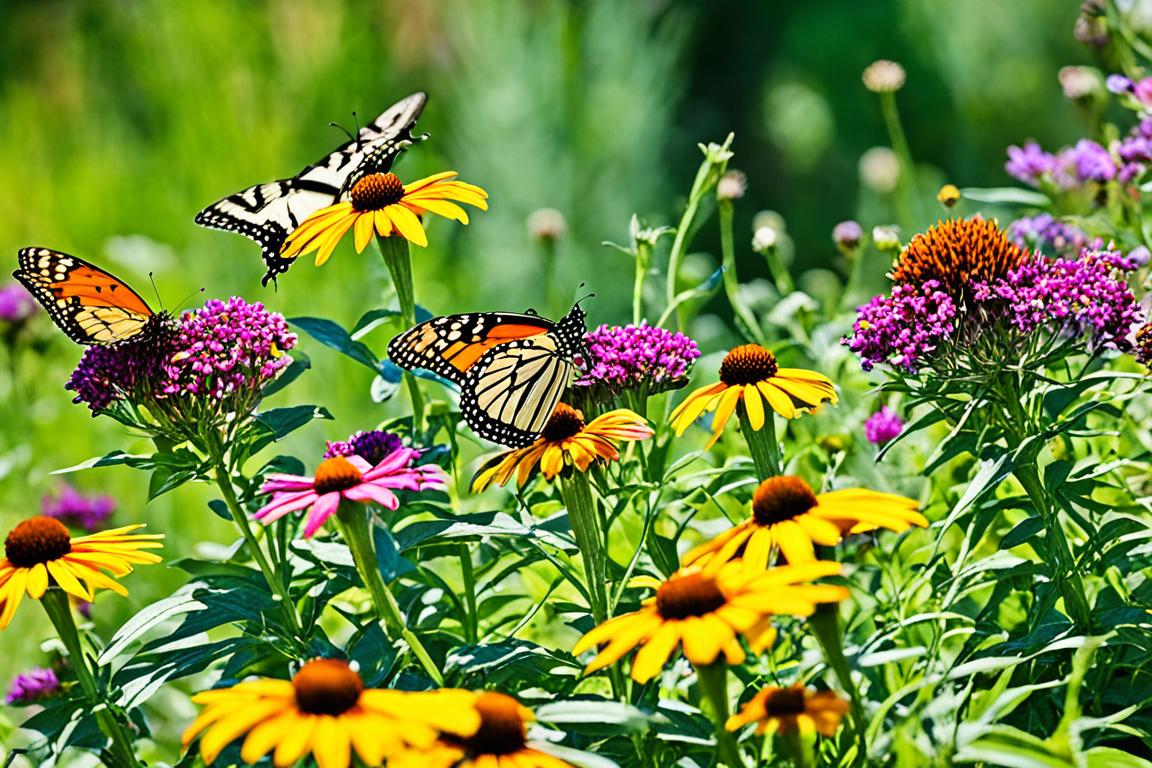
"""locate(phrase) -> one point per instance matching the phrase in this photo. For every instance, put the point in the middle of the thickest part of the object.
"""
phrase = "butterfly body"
(89, 304)
(268, 213)
(512, 369)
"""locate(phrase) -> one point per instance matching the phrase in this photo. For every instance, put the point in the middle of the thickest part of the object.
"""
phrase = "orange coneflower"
(795, 708)
(956, 253)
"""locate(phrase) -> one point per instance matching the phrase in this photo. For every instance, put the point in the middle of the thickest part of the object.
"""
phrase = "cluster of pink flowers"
(903, 329)
(222, 350)
(71, 507)
(1085, 298)
(883, 426)
(34, 685)
(1125, 160)
(638, 356)
(225, 347)
(1070, 297)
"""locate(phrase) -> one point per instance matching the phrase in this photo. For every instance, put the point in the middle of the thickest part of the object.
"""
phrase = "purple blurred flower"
(882, 426)
(1092, 162)
(1139, 256)
(371, 446)
(227, 348)
(1142, 90)
(1118, 84)
(903, 328)
(32, 686)
(1029, 163)
(847, 235)
(1045, 233)
(16, 304)
(71, 507)
(638, 357)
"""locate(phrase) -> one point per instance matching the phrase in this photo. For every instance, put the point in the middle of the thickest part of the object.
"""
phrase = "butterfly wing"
(88, 304)
(268, 213)
(449, 346)
(512, 390)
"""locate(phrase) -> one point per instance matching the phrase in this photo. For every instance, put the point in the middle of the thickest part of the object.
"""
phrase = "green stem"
(643, 262)
(355, 528)
(398, 259)
(472, 623)
(907, 168)
(121, 753)
(1067, 579)
(577, 495)
(795, 744)
(277, 587)
(761, 443)
(714, 685)
(825, 624)
(680, 243)
(724, 208)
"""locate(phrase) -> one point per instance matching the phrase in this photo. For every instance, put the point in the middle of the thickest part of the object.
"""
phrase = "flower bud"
(764, 239)
(948, 195)
(880, 169)
(731, 186)
(847, 235)
(884, 76)
(886, 237)
(1080, 83)
(547, 224)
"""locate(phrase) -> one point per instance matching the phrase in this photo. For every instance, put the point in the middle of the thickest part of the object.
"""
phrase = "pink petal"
(398, 459)
(323, 509)
(283, 503)
(408, 481)
(367, 492)
(359, 463)
(280, 482)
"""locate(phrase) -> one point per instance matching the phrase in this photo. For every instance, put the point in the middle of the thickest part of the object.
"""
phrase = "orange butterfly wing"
(450, 345)
(90, 305)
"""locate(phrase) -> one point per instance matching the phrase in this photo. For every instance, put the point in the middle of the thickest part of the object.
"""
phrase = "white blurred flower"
(880, 169)
(547, 224)
(763, 238)
(1080, 82)
(886, 237)
(884, 76)
(732, 185)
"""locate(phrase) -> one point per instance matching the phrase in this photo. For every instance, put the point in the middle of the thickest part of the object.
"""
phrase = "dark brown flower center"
(336, 474)
(781, 498)
(565, 422)
(957, 253)
(37, 540)
(688, 594)
(327, 687)
(502, 730)
(747, 364)
(785, 701)
(376, 190)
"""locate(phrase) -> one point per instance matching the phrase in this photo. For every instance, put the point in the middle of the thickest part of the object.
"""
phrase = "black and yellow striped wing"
(90, 305)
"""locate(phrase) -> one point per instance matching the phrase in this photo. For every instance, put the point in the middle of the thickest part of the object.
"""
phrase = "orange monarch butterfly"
(512, 369)
(88, 304)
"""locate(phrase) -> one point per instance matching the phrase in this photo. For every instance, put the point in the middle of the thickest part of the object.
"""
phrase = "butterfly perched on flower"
(268, 213)
(512, 369)
(90, 305)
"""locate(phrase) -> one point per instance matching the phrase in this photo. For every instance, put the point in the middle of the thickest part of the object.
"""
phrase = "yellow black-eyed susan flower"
(705, 614)
(382, 204)
(788, 516)
(567, 441)
(749, 375)
(40, 552)
(326, 712)
(794, 708)
(501, 741)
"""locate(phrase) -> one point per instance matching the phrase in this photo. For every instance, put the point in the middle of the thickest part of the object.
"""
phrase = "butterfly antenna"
(156, 290)
(347, 132)
(356, 122)
(184, 301)
(591, 295)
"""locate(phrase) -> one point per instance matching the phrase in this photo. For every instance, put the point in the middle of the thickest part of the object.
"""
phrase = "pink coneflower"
(351, 478)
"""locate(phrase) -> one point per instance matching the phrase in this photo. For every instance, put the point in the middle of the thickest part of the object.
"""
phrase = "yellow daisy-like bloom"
(324, 711)
(40, 552)
(795, 708)
(380, 203)
(707, 613)
(565, 442)
(749, 374)
(501, 741)
(787, 516)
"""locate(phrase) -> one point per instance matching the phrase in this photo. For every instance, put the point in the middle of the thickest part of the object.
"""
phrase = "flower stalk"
(577, 495)
(714, 685)
(825, 624)
(356, 530)
(398, 259)
(907, 168)
(762, 444)
(120, 753)
(731, 281)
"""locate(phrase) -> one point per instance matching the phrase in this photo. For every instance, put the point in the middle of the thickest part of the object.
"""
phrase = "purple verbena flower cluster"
(1070, 297)
(1051, 236)
(903, 328)
(72, 508)
(133, 369)
(34, 685)
(226, 347)
(16, 304)
(635, 356)
(883, 426)
(1125, 160)
(373, 446)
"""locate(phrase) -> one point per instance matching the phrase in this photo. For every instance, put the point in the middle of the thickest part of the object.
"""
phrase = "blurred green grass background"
(120, 120)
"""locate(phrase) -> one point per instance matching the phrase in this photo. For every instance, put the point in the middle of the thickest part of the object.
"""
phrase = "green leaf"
(330, 334)
(1006, 196)
(278, 423)
(300, 363)
(598, 711)
(1023, 531)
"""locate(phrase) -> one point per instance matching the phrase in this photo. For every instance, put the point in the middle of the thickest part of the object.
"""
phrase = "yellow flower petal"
(408, 225)
(754, 406)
